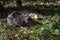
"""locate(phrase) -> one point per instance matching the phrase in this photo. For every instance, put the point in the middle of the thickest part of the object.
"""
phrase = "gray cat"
(16, 18)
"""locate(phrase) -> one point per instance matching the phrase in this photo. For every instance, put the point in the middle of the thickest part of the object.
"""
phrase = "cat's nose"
(29, 18)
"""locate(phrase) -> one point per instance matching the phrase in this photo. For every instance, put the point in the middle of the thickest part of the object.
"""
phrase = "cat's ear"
(18, 13)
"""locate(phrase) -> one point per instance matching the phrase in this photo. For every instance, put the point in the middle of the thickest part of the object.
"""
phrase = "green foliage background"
(47, 29)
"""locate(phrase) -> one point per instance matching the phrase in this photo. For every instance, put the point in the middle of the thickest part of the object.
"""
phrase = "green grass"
(48, 29)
